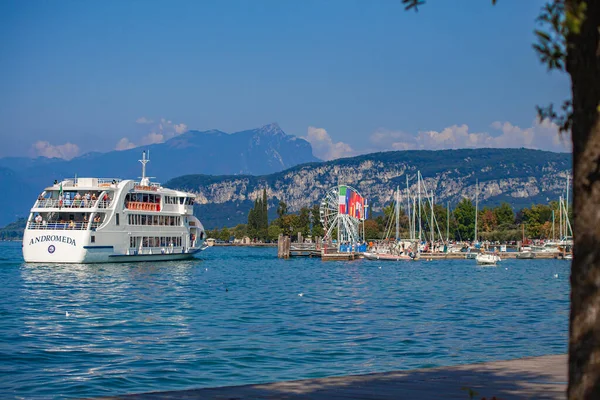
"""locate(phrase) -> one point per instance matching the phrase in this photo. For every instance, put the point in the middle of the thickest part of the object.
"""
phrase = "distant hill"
(257, 151)
(519, 176)
(14, 230)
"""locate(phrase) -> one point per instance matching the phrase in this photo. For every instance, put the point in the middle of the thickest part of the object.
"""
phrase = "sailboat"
(471, 255)
(396, 252)
(482, 258)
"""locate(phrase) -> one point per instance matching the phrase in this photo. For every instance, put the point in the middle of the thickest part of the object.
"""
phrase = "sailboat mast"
(448, 222)
(476, 206)
(398, 213)
(553, 237)
(431, 222)
(419, 194)
(567, 208)
(414, 217)
(560, 220)
(338, 222)
(408, 208)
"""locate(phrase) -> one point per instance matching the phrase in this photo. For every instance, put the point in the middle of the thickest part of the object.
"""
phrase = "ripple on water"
(167, 326)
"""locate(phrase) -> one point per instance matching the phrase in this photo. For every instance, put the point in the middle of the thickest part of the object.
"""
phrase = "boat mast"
(414, 217)
(553, 237)
(419, 194)
(567, 208)
(144, 161)
(560, 220)
(398, 213)
(338, 219)
(448, 223)
(408, 209)
(431, 222)
(476, 201)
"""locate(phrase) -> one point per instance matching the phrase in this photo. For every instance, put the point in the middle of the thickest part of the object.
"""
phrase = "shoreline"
(522, 378)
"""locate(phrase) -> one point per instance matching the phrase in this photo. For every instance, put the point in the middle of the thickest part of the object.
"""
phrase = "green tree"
(504, 214)
(303, 224)
(281, 209)
(240, 231)
(264, 217)
(464, 213)
(274, 231)
(258, 221)
(252, 229)
(214, 233)
(570, 42)
(290, 225)
(225, 234)
(372, 230)
(487, 221)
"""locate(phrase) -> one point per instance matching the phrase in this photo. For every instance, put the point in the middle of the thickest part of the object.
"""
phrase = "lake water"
(237, 316)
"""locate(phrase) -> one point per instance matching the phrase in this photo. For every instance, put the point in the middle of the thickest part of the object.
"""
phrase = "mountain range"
(519, 176)
(256, 151)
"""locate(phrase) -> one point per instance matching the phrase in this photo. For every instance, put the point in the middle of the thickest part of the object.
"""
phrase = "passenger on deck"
(71, 224)
(78, 202)
(38, 219)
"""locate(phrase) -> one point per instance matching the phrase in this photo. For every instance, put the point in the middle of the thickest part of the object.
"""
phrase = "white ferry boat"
(92, 220)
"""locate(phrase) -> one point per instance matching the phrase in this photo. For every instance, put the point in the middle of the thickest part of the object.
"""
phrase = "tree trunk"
(583, 65)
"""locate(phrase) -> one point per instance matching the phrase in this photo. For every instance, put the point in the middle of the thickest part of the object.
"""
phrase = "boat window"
(93, 239)
(117, 219)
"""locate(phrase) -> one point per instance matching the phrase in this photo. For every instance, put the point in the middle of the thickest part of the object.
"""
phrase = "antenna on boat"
(145, 181)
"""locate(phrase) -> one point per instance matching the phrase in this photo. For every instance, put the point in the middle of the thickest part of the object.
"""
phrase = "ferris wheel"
(335, 214)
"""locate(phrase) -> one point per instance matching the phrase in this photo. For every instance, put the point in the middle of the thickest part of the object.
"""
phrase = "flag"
(342, 200)
(60, 196)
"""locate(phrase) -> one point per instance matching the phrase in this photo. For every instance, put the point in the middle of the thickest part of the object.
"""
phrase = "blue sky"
(350, 76)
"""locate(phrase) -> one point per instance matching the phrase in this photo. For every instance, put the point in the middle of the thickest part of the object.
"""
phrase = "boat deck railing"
(75, 226)
(139, 205)
(55, 203)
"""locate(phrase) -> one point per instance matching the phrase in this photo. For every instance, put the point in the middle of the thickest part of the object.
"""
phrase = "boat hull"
(386, 257)
(73, 247)
(487, 259)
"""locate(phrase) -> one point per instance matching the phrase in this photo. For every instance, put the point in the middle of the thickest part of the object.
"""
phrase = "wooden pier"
(328, 252)
(526, 378)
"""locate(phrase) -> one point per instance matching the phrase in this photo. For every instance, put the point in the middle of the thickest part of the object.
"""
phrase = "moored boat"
(525, 255)
(487, 259)
(388, 257)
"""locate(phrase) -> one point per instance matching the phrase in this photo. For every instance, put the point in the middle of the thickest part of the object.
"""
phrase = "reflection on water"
(236, 317)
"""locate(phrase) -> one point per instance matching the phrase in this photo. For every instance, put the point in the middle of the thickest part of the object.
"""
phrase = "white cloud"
(324, 147)
(124, 144)
(143, 120)
(160, 132)
(153, 138)
(541, 135)
(180, 128)
(66, 151)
